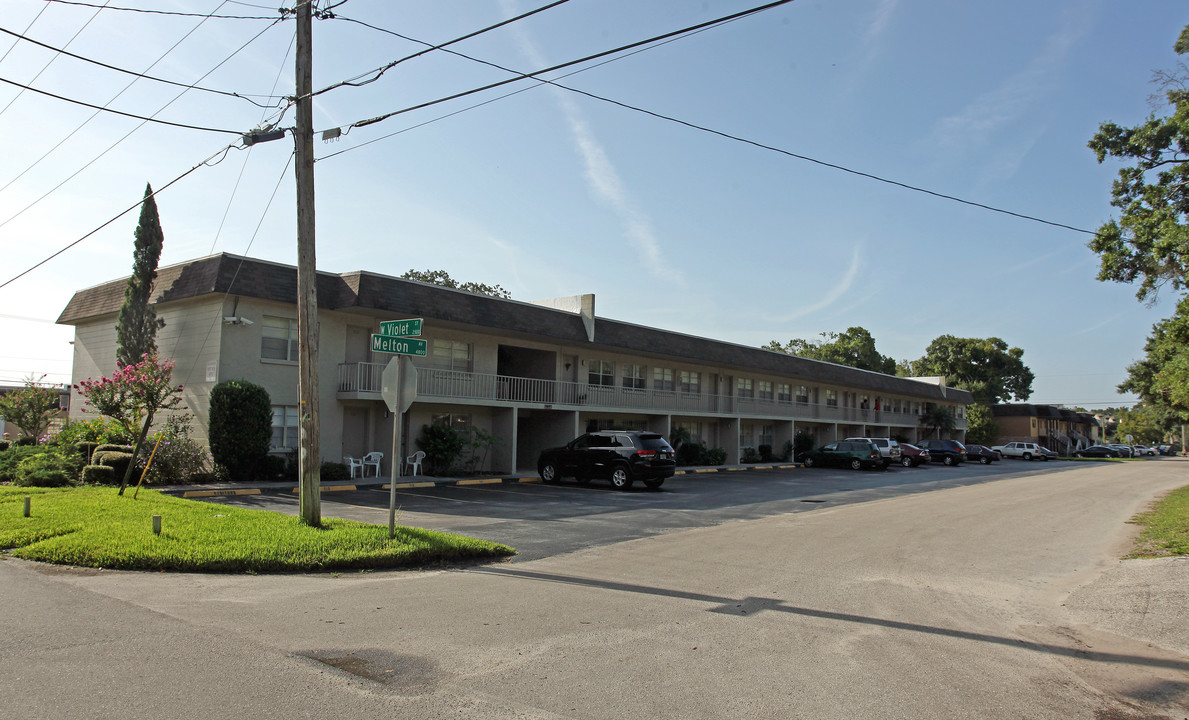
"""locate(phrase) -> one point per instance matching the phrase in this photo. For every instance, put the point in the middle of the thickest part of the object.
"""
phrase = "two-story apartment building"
(532, 374)
(1059, 429)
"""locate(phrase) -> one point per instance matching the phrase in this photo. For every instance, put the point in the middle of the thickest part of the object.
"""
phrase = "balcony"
(362, 381)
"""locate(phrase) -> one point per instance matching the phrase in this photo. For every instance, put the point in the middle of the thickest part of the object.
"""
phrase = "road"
(999, 597)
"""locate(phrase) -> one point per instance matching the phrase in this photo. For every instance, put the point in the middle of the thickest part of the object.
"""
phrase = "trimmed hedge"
(240, 428)
(117, 461)
(99, 475)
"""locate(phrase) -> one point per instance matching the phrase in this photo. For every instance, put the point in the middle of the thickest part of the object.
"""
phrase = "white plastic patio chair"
(414, 461)
(352, 464)
(373, 459)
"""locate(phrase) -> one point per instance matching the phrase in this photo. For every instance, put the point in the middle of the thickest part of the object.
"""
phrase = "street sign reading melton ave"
(401, 328)
(398, 345)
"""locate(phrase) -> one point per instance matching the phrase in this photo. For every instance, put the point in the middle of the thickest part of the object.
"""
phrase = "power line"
(133, 130)
(51, 60)
(378, 72)
(588, 58)
(702, 128)
(27, 28)
(285, 13)
(118, 112)
(222, 151)
(241, 96)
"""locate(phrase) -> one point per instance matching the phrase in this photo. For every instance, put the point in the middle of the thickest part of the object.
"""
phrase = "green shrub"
(691, 453)
(117, 461)
(716, 456)
(240, 428)
(273, 468)
(95, 430)
(442, 445)
(112, 448)
(766, 453)
(334, 472)
(10, 458)
(803, 442)
(176, 458)
(25, 441)
(45, 469)
(786, 453)
(4, 445)
(749, 455)
(99, 475)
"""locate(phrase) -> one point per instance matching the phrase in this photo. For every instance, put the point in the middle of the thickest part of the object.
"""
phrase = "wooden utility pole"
(309, 460)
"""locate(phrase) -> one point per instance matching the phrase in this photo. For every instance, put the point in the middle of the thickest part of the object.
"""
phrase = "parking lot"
(543, 520)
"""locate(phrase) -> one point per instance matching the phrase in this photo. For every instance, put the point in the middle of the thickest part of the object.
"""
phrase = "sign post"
(398, 386)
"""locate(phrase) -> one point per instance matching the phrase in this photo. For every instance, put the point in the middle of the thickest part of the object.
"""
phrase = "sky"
(755, 225)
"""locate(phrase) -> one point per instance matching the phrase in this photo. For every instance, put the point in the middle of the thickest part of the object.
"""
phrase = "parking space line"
(220, 493)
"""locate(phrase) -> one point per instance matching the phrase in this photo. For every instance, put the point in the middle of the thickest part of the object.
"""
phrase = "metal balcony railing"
(453, 384)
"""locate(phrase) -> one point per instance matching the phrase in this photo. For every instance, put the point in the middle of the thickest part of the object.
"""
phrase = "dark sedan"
(911, 455)
(981, 453)
(1097, 451)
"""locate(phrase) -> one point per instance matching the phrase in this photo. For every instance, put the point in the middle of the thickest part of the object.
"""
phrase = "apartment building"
(1057, 428)
(534, 375)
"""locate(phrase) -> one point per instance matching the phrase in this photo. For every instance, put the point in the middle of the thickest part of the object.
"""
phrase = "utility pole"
(309, 461)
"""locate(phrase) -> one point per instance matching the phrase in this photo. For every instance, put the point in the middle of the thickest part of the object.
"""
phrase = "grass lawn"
(1166, 527)
(95, 527)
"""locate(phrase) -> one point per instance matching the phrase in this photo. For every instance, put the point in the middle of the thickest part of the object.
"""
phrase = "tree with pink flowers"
(133, 396)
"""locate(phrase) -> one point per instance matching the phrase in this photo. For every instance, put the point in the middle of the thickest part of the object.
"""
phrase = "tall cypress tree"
(138, 323)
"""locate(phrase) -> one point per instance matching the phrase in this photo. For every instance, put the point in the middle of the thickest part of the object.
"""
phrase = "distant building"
(532, 374)
(1057, 428)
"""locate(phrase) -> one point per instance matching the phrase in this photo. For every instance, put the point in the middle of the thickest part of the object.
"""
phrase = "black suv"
(950, 452)
(621, 456)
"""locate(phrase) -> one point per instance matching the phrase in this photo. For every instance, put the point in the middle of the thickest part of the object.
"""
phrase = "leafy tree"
(30, 408)
(1143, 423)
(133, 393)
(1162, 377)
(855, 348)
(938, 419)
(442, 445)
(240, 428)
(981, 426)
(137, 326)
(441, 277)
(988, 368)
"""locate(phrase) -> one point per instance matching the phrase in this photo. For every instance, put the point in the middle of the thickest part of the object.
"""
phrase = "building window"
(784, 392)
(831, 398)
(747, 437)
(802, 395)
(662, 379)
(633, 377)
(600, 424)
(744, 388)
(284, 427)
(279, 339)
(449, 355)
(764, 389)
(767, 435)
(600, 372)
(453, 420)
(691, 382)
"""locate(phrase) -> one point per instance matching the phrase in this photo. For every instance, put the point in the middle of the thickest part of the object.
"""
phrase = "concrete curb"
(224, 490)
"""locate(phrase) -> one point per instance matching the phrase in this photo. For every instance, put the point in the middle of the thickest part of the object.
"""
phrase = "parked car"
(1124, 450)
(1048, 454)
(948, 452)
(981, 453)
(1143, 450)
(1097, 451)
(911, 455)
(854, 454)
(1165, 450)
(889, 449)
(621, 456)
(1022, 450)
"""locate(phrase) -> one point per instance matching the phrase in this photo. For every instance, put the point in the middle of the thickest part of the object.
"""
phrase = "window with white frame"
(449, 355)
(633, 376)
(284, 427)
(802, 395)
(278, 340)
(600, 372)
(784, 392)
(662, 379)
(691, 382)
(831, 398)
(744, 388)
(767, 435)
(764, 389)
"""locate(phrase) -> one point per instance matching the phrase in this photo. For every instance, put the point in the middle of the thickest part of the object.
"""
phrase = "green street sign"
(398, 345)
(401, 328)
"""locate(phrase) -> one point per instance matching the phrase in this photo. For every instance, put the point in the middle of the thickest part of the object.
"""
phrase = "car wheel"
(1027, 456)
(906, 462)
(948, 460)
(548, 473)
(621, 478)
(986, 461)
(654, 484)
(808, 461)
(856, 464)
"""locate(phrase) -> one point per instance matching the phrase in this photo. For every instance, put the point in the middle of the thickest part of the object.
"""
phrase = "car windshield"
(654, 442)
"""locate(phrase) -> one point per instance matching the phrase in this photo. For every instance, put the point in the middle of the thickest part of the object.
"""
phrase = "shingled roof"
(246, 277)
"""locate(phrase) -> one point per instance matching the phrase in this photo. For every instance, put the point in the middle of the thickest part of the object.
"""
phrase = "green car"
(854, 454)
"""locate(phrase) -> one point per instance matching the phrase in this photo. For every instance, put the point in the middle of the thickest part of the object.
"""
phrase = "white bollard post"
(156, 524)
